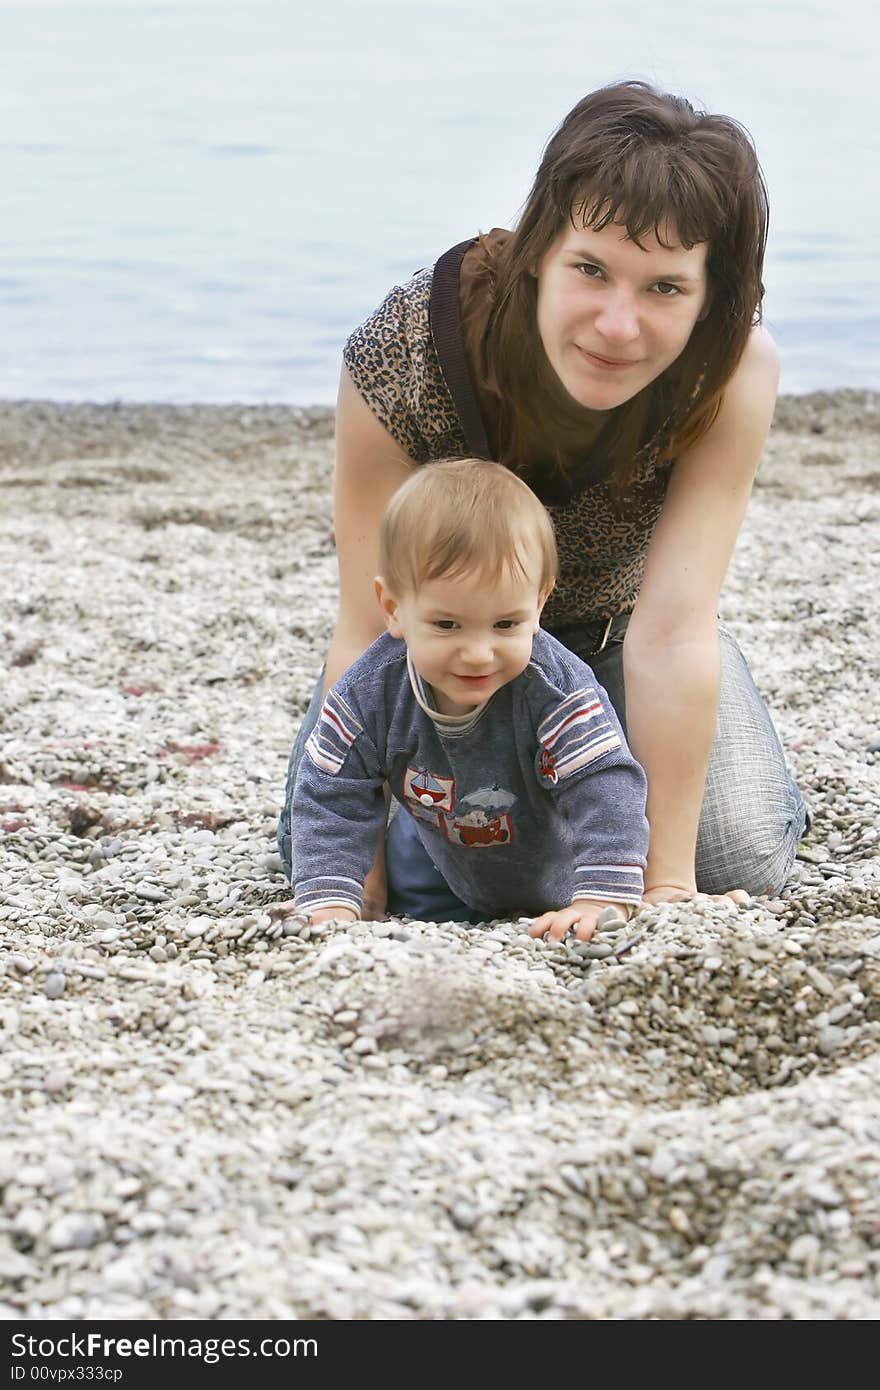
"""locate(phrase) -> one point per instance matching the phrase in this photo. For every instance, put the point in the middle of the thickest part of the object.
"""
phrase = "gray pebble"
(825, 1193)
(830, 1039)
(77, 1231)
(804, 1250)
(663, 1163)
(150, 893)
(463, 1216)
(572, 1177)
(609, 916)
(819, 981)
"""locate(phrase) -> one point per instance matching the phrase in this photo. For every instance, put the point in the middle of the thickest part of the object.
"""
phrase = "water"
(203, 197)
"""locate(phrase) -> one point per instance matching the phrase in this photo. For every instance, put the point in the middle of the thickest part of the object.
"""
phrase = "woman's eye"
(666, 290)
(592, 272)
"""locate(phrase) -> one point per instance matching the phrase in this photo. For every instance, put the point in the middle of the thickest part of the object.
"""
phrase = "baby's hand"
(279, 912)
(583, 916)
(332, 914)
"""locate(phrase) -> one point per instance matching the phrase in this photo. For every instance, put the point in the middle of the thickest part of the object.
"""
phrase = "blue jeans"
(751, 821)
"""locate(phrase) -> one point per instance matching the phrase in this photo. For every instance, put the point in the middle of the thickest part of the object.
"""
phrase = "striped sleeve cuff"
(613, 883)
(312, 894)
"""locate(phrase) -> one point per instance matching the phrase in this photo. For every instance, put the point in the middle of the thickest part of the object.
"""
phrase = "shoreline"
(45, 430)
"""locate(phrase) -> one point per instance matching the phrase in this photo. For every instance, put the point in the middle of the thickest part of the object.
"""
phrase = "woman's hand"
(674, 893)
(583, 916)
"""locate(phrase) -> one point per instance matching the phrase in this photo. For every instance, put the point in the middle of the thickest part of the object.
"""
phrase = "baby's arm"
(337, 815)
(600, 790)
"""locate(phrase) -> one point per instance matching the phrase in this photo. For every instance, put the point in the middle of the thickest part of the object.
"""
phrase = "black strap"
(444, 312)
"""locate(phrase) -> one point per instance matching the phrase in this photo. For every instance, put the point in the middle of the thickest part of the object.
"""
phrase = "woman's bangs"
(646, 198)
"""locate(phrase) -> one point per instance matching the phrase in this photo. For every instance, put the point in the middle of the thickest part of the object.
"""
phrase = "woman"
(609, 350)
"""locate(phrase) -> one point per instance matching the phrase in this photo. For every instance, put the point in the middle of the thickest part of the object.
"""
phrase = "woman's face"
(613, 314)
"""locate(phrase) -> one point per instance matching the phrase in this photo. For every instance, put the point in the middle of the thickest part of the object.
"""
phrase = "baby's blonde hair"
(463, 516)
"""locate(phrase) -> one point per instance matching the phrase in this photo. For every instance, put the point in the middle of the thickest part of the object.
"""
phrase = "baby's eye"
(505, 624)
(445, 624)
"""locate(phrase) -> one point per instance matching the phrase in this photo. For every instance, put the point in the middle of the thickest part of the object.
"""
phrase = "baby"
(491, 735)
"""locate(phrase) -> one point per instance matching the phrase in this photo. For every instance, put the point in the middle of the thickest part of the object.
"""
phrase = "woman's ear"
(388, 605)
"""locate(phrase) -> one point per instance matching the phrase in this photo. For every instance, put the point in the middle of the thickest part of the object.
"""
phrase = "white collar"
(450, 723)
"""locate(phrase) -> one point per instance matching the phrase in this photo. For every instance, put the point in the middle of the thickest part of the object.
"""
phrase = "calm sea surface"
(202, 197)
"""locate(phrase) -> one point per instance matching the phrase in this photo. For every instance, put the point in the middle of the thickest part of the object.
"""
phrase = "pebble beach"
(213, 1114)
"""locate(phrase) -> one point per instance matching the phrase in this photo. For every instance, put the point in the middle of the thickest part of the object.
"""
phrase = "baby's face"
(467, 637)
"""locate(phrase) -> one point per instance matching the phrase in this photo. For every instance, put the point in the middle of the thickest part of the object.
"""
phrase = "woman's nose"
(617, 320)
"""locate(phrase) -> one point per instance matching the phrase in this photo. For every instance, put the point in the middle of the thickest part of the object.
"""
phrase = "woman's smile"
(605, 363)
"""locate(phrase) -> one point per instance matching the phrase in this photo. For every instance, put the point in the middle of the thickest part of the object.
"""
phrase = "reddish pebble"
(194, 752)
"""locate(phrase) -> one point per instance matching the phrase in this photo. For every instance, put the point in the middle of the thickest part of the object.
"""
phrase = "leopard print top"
(393, 364)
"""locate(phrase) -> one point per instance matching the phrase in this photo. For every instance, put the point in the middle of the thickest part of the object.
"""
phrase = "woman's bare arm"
(370, 467)
(671, 654)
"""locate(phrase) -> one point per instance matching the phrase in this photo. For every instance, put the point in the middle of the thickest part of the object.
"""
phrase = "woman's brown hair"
(649, 162)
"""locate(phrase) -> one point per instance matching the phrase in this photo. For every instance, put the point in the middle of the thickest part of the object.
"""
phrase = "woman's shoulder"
(392, 361)
(746, 402)
(400, 323)
(750, 390)
(758, 368)
(479, 265)
(761, 352)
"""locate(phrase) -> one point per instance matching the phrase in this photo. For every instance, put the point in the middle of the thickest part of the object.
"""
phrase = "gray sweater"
(526, 804)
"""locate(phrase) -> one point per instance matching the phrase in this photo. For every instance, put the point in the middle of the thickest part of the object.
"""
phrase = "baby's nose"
(478, 650)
